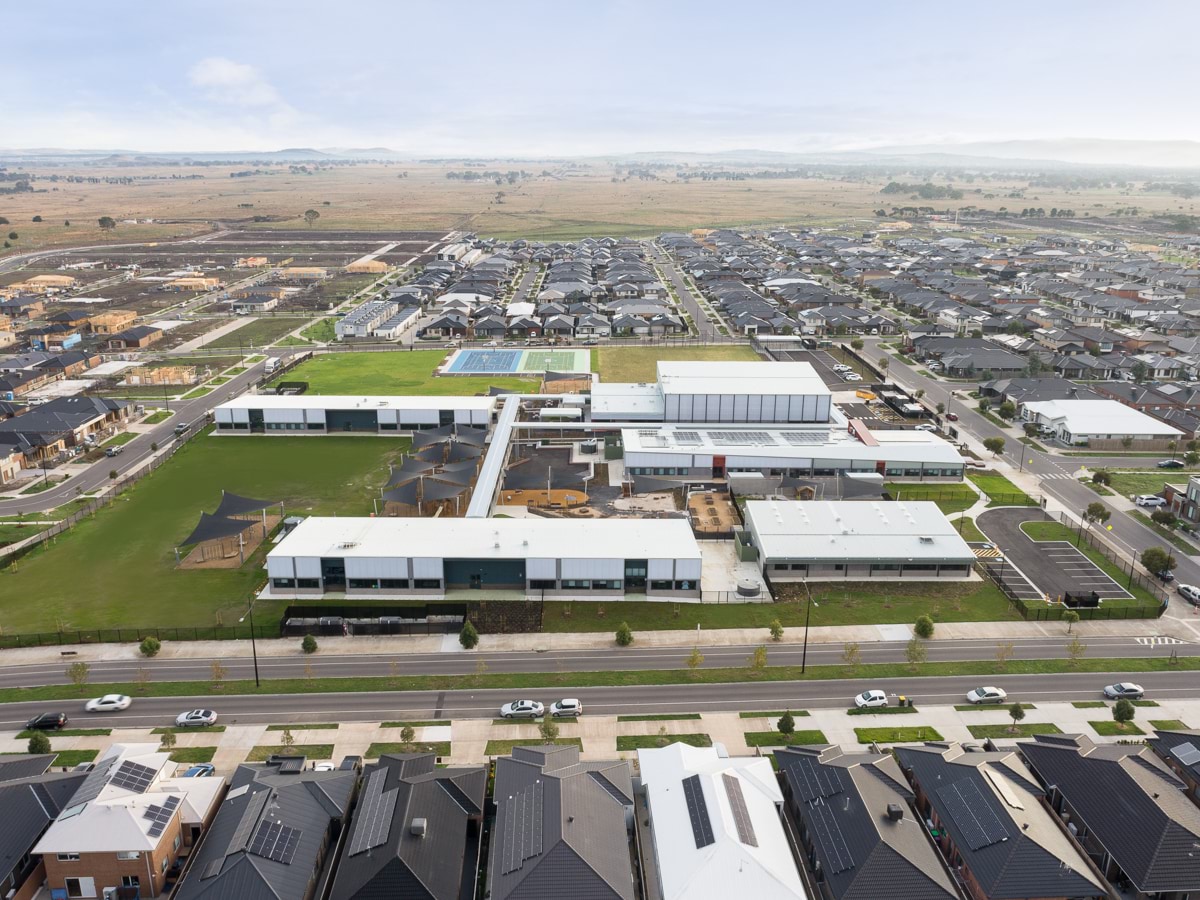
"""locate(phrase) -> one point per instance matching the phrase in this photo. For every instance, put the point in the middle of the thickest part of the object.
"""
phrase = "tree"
(1191, 457)
(1070, 617)
(786, 724)
(1004, 652)
(1016, 712)
(1164, 517)
(1123, 712)
(857, 344)
(408, 734)
(1075, 651)
(12, 236)
(78, 674)
(624, 635)
(168, 739)
(309, 644)
(67, 223)
(994, 444)
(915, 652)
(310, 216)
(142, 678)
(112, 474)
(776, 630)
(1097, 512)
(941, 408)
(694, 661)
(984, 404)
(884, 362)
(218, 674)
(37, 218)
(39, 743)
(1139, 371)
(923, 627)
(1172, 446)
(150, 646)
(1007, 410)
(1102, 477)
(1127, 441)
(107, 223)
(287, 739)
(851, 655)
(758, 660)
(1156, 559)
(468, 637)
(548, 730)
(1031, 429)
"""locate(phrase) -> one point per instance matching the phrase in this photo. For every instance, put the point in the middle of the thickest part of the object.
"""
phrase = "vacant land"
(1129, 483)
(397, 373)
(637, 363)
(258, 333)
(1001, 491)
(118, 567)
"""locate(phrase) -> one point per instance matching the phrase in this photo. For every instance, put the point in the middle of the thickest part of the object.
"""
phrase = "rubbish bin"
(901, 700)
(908, 701)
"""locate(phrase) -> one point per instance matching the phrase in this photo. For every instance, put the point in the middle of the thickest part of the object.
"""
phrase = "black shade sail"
(211, 528)
(233, 505)
(644, 484)
(434, 453)
(466, 465)
(426, 438)
(533, 476)
(439, 490)
(454, 477)
(407, 471)
(460, 451)
(406, 493)
(476, 437)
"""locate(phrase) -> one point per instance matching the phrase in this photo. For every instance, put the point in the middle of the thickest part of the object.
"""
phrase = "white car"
(1190, 593)
(871, 699)
(852, 376)
(987, 695)
(1150, 500)
(841, 367)
(108, 703)
(925, 426)
(1124, 690)
(195, 717)
(522, 709)
(324, 767)
(566, 708)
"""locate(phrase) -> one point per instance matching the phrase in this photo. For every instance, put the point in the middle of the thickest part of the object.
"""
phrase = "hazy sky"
(567, 77)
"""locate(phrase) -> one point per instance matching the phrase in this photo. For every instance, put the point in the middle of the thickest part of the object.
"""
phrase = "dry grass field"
(568, 204)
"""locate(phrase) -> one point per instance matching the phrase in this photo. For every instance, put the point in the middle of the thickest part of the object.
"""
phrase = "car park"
(194, 717)
(1124, 690)
(48, 721)
(522, 709)
(566, 708)
(200, 770)
(871, 700)
(1171, 464)
(1190, 593)
(1149, 500)
(987, 695)
(109, 703)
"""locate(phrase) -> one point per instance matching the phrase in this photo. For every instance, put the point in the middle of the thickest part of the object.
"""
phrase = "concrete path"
(198, 342)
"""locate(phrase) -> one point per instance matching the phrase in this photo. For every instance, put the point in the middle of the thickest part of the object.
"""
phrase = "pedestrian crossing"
(1158, 640)
(1058, 475)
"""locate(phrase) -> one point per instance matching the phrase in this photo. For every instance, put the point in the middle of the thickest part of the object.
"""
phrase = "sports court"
(481, 361)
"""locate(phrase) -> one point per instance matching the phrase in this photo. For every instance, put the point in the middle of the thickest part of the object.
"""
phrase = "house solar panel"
(374, 821)
(250, 817)
(522, 815)
(275, 841)
(830, 837)
(741, 814)
(811, 780)
(160, 816)
(698, 812)
(133, 777)
(971, 813)
(95, 782)
(1187, 753)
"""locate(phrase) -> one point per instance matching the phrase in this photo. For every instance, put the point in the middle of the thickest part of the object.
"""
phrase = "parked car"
(951, 417)
(871, 699)
(324, 767)
(1171, 463)
(47, 721)
(522, 709)
(1150, 500)
(1190, 593)
(566, 708)
(109, 703)
(351, 764)
(925, 426)
(200, 770)
(987, 695)
(1166, 576)
(182, 427)
(113, 451)
(195, 717)
(1124, 690)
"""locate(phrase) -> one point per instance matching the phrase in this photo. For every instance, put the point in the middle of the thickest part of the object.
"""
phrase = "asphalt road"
(565, 661)
(706, 329)
(482, 703)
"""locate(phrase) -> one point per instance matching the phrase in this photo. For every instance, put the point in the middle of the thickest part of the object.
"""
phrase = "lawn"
(157, 417)
(505, 747)
(312, 751)
(950, 498)
(770, 715)
(882, 711)
(415, 724)
(651, 741)
(638, 363)
(197, 392)
(969, 530)
(396, 373)
(851, 603)
(200, 729)
(1168, 725)
(779, 739)
(659, 717)
(1128, 483)
(258, 333)
(379, 748)
(1088, 704)
(321, 331)
(193, 755)
(1166, 534)
(117, 440)
(11, 533)
(1106, 728)
(1021, 729)
(906, 735)
(70, 758)
(1002, 491)
(125, 554)
(70, 732)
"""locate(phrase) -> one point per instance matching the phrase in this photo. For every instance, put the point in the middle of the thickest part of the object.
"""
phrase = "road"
(484, 703)
(706, 330)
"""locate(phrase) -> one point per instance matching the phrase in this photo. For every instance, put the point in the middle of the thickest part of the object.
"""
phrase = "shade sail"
(405, 493)
(439, 490)
(476, 437)
(466, 465)
(459, 452)
(453, 477)
(407, 471)
(434, 453)
(233, 505)
(533, 476)
(427, 438)
(211, 528)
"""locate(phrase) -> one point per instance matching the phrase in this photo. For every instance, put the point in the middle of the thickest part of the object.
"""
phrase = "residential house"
(416, 832)
(1180, 750)
(31, 798)
(111, 321)
(136, 338)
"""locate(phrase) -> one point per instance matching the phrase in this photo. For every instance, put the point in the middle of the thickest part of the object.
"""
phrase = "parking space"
(823, 361)
(1078, 574)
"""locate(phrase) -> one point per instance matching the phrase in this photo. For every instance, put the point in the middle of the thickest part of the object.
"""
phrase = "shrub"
(150, 646)
(624, 635)
(1123, 712)
(787, 724)
(39, 743)
(468, 637)
(309, 644)
(776, 630)
(923, 627)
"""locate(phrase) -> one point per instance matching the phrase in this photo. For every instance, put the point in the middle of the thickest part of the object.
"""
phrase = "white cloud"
(237, 84)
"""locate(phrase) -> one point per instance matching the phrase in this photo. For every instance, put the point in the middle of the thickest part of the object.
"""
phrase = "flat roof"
(612, 400)
(1100, 417)
(727, 377)
(427, 538)
(854, 529)
(353, 401)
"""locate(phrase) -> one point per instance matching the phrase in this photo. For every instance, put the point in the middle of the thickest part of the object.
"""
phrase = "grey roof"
(560, 822)
(24, 765)
(30, 804)
(887, 858)
(309, 802)
(1032, 857)
(1142, 817)
(404, 866)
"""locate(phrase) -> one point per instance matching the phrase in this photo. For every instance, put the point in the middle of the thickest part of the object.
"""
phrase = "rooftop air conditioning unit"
(418, 827)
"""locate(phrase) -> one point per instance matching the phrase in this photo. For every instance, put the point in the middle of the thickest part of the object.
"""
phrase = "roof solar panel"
(969, 810)
(698, 812)
(250, 817)
(275, 841)
(95, 782)
(741, 814)
(811, 780)
(133, 776)
(374, 821)
(1187, 753)
(830, 838)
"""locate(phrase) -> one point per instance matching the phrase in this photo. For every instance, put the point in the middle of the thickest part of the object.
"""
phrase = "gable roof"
(31, 799)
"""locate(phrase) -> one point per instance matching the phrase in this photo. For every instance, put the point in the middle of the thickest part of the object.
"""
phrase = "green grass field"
(396, 373)
(905, 735)
(258, 333)
(779, 739)
(1002, 491)
(155, 418)
(312, 751)
(1129, 483)
(651, 741)
(950, 498)
(637, 363)
(321, 331)
(1114, 729)
(118, 567)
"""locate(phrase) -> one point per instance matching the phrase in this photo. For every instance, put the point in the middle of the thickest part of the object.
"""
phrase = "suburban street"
(706, 330)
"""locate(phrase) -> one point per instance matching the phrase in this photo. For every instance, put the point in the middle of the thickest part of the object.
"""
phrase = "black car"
(1166, 576)
(50, 721)
(1171, 463)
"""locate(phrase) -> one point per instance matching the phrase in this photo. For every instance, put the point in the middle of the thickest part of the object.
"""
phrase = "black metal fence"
(135, 635)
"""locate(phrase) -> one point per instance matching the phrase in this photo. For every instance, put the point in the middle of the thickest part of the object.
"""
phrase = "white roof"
(726, 868)
(614, 399)
(353, 401)
(1107, 417)
(709, 377)
(855, 530)
(423, 538)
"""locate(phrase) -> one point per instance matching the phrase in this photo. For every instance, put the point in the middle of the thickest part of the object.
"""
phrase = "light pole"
(253, 645)
(807, 614)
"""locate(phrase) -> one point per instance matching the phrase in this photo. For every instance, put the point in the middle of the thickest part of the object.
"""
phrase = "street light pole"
(253, 644)
(807, 613)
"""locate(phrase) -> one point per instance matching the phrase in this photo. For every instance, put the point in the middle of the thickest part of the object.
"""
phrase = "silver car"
(522, 709)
